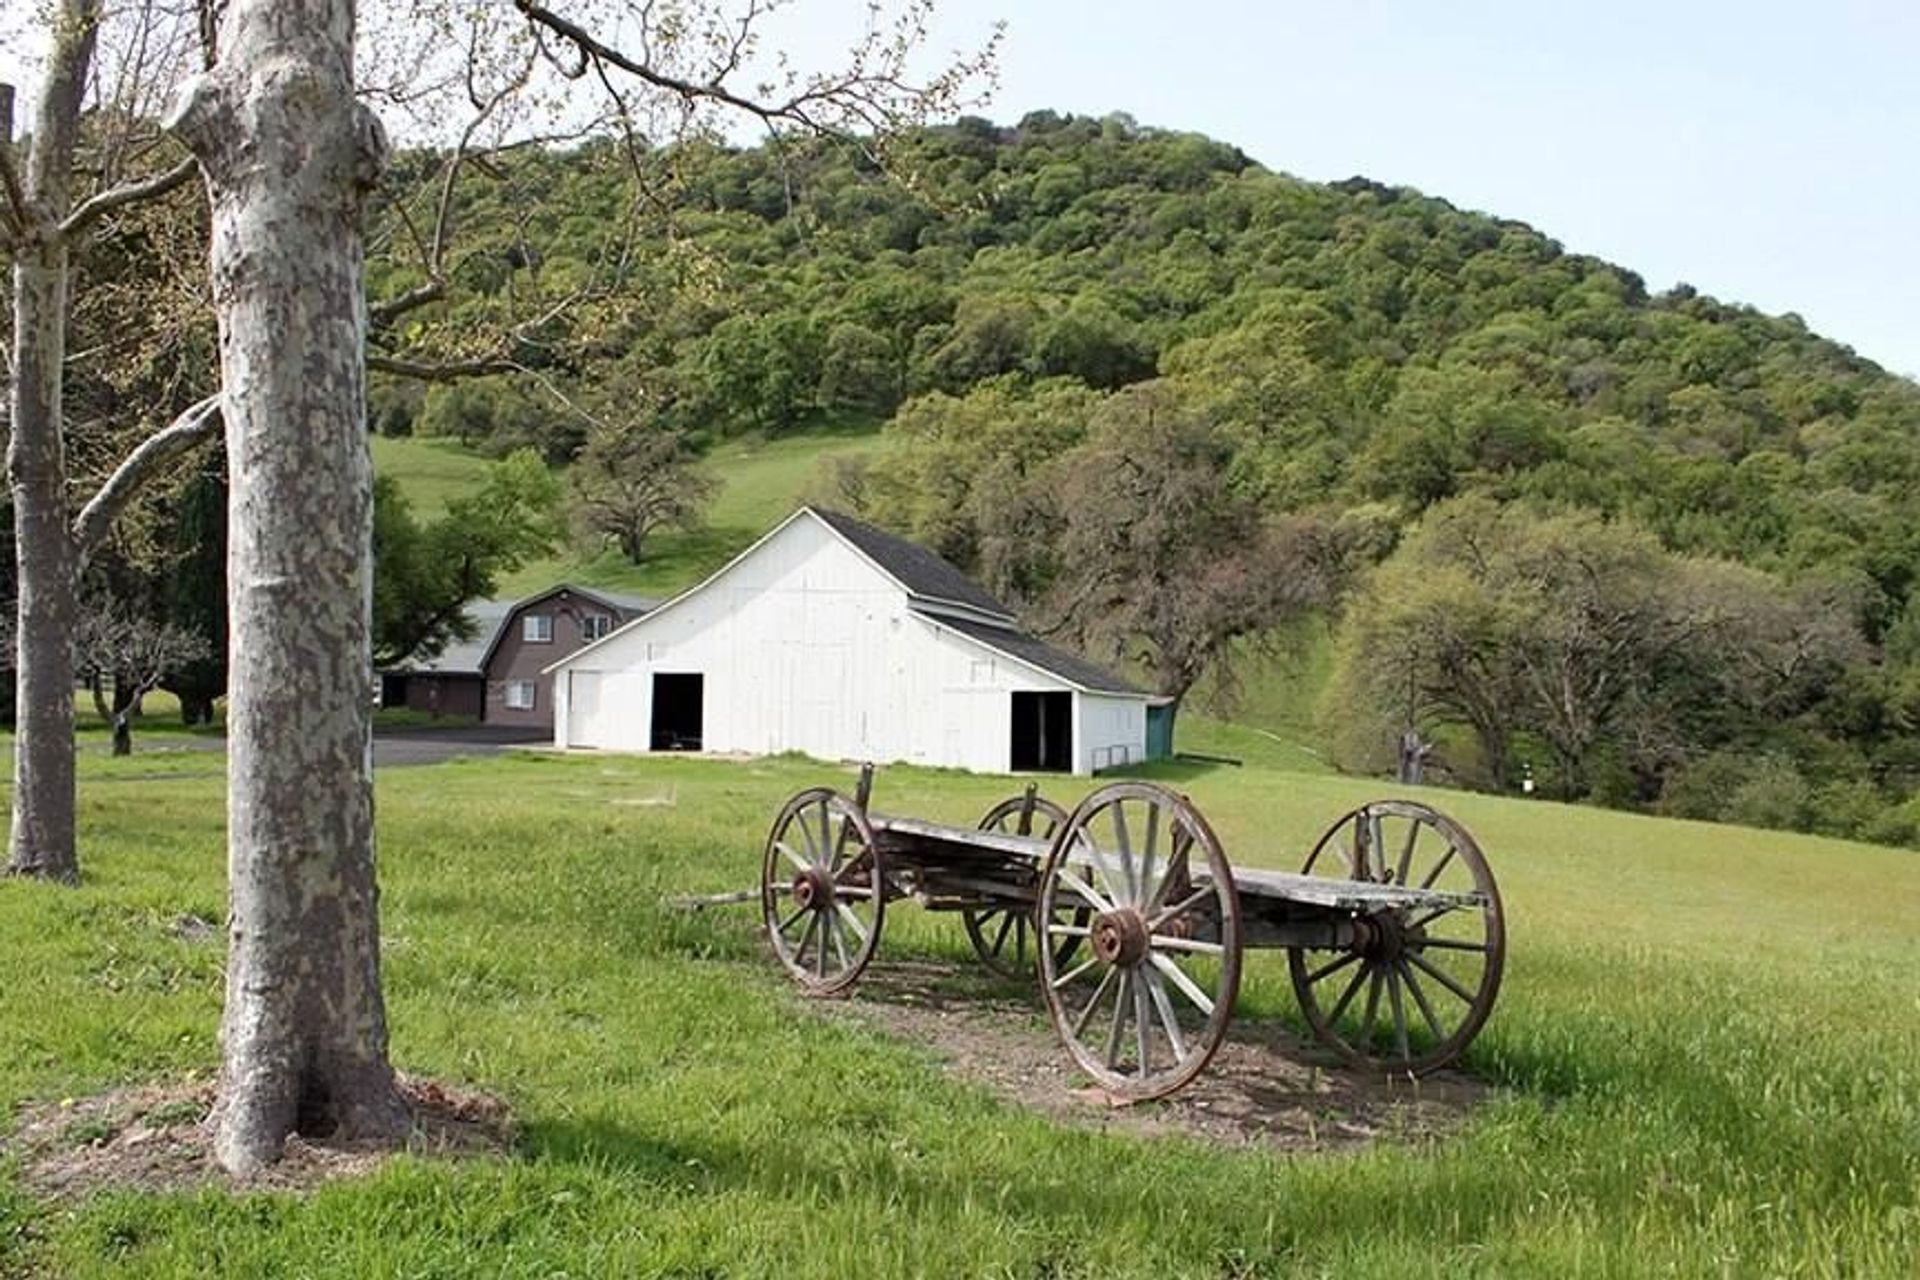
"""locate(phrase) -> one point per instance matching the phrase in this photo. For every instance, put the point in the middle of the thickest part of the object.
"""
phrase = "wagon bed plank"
(1321, 891)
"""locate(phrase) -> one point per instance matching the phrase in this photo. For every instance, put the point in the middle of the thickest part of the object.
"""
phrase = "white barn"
(834, 638)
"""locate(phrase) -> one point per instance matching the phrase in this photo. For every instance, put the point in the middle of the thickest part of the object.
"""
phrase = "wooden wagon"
(1135, 924)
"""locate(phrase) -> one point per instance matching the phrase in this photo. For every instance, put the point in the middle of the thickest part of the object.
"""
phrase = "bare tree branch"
(443, 370)
(189, 429)
(98, 206)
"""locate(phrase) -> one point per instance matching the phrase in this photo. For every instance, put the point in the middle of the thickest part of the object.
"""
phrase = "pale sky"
(1763, 152)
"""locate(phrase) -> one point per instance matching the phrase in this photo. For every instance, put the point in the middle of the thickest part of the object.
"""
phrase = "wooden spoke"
(1004, 937)
(1439, 975)
(1406, 854)
(1119, 1023)
(1074, 972)
(1373, 1008)
(1188, 987)
(851, 921)
(1167, 942)
(1148, 889)
(1129, 881)
(1086, 891)
(1388, 953)
(1453, 944)
(1346, 997)
(1333, 966)
(1420, 999)
(1438, 867)
(1166, 915)
(1166, 997)
(1093, 1002)
(835, 896)
(1142, 1031)
(1168, 1022)
(1400, 1043)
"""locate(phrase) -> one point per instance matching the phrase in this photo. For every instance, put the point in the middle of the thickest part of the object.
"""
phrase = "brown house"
(495, 677)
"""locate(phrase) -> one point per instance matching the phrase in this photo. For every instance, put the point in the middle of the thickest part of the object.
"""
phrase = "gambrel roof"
(490, 619)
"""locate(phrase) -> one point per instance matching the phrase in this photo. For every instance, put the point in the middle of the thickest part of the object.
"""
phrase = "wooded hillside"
(1337, 368)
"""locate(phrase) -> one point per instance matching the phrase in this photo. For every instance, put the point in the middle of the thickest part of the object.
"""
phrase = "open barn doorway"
(1043, 732)
(677, 708)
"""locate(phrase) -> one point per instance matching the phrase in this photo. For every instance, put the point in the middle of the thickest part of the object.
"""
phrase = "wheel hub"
(1381, 937)
(813, 889)
(1120, 937)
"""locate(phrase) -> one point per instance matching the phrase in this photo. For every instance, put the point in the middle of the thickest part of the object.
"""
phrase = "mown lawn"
(1708, 1051)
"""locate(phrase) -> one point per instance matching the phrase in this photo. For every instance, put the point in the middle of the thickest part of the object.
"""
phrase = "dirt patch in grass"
(160, 1138)
(1267, 1085)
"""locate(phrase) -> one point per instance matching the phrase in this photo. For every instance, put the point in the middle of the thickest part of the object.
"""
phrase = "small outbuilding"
(835, 638)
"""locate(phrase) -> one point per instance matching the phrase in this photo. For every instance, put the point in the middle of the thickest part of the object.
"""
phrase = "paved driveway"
(393, 748)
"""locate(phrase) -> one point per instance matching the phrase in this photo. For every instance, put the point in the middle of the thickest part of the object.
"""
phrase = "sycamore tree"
(47, 209)
(290, 158)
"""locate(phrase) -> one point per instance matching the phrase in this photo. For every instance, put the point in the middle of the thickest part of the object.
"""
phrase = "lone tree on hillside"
(1161, 561)
(631, 482)
(289, 157)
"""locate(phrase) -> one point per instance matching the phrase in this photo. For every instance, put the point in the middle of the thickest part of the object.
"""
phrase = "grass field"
(760, 483)
(1707, 1055)
(431, 471)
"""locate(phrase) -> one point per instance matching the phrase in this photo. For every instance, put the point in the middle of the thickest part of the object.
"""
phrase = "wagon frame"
(1136, 925)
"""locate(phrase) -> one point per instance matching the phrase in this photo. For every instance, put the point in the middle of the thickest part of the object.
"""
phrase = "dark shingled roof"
(917, 569)
(1017, 644)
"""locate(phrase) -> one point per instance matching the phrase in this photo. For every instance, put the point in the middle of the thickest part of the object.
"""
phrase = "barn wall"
(804, 647)
(1108, 731)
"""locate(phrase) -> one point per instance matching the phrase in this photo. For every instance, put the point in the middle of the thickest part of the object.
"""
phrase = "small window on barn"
(595, 625)
(520, 695)
(537, 628)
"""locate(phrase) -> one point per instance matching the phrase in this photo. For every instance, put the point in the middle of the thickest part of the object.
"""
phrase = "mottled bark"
(42, 836)
(288, 157)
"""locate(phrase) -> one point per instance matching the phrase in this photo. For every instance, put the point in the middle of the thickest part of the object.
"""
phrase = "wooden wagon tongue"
(1135, 924)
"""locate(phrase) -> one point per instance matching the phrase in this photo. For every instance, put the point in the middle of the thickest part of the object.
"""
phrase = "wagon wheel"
(1415, 986)
(1003, 935)
(1146, 1009)
(823, 890)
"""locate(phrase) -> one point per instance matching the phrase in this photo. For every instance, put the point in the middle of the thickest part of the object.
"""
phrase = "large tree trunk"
(288, 156)
(42, 841)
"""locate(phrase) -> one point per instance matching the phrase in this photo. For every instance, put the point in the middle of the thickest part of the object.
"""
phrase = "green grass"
(1708, 1053)
(432, 472)
(160, 717)
(761, 482)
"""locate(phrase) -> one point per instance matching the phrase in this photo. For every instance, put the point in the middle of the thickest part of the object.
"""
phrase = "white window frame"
(537, 628)
(531, 689)
(595, 626)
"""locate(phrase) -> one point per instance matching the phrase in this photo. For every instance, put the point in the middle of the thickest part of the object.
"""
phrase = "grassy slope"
(1708, 1040)
(761, 482)
(430, 471)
